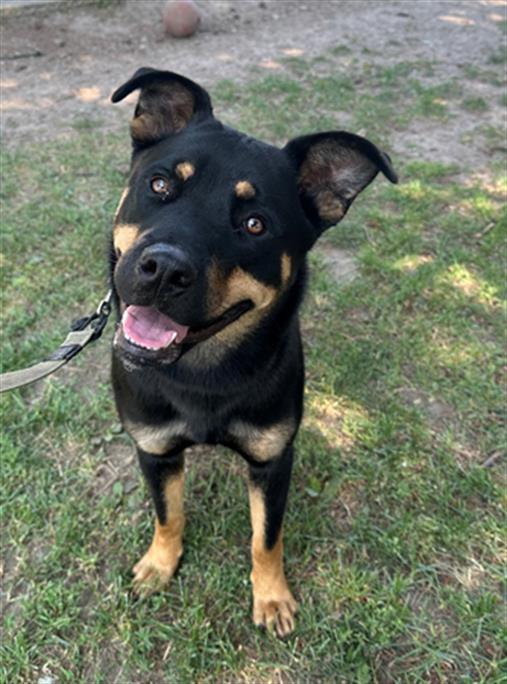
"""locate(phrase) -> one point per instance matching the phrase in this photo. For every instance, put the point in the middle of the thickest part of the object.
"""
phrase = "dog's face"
(213, 226)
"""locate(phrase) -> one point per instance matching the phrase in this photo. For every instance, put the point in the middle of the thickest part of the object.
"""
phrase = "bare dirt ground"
(59, 66)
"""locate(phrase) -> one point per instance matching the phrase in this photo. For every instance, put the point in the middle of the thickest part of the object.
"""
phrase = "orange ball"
(181, 18)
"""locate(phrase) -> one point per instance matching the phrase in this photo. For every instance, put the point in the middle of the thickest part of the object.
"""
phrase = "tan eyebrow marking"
(185, 170)
(244, 190)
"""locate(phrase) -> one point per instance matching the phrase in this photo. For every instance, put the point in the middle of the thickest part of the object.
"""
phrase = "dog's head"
(213, 227)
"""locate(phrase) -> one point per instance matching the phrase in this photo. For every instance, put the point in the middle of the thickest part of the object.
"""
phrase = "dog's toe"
(151, 575)
(276, 614)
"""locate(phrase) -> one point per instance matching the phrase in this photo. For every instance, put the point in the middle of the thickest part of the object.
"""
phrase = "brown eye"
(160, 185)
(254, 225)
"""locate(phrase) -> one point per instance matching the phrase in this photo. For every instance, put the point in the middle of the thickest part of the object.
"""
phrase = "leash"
(82, 332)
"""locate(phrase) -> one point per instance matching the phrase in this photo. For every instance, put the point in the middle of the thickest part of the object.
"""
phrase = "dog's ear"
(332, 168)
(168, 103)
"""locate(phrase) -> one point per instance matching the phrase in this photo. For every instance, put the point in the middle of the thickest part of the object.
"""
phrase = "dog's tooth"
(173, 337)
(136, 344)
(144, 346)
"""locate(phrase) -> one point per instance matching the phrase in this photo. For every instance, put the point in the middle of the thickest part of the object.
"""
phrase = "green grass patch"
(499, 57)
(475, 104)
(394, 530)
(495, 77)
(302, 99)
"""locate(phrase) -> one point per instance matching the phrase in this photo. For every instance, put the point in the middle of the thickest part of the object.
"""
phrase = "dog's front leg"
(273, 604)
(165, 478)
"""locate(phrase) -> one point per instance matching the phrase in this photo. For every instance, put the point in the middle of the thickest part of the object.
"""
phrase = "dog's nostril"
(165, 265)
(149, 266)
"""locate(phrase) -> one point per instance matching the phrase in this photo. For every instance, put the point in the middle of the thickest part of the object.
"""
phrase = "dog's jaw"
(134, 355)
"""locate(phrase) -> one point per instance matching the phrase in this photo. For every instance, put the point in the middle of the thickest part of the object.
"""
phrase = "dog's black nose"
(165, 266)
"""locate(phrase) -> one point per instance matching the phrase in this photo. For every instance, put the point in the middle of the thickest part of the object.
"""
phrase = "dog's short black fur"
(208, 266)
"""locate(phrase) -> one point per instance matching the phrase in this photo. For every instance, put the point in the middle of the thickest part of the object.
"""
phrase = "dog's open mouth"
(146, 335)
(148, 328)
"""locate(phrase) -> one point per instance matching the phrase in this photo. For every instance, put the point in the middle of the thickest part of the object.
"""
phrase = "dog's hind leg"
(273, 604)
(165, 478)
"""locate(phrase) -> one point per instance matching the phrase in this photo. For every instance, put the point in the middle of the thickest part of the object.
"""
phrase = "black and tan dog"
(208, 265)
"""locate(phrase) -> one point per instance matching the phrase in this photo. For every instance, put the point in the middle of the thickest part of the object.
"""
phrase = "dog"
(208, 269)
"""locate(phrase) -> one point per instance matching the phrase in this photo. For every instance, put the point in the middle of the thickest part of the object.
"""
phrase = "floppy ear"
(332, 168)
(167, 103)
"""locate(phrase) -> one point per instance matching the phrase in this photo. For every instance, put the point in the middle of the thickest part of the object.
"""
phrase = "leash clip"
(82, 332)
(96, 320)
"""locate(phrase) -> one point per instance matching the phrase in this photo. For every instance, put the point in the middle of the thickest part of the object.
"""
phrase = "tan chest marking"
(157, 440)
(263, 443)
(124, 236)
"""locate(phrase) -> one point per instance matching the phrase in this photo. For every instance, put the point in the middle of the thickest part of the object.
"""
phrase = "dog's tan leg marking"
(274, 606)
(160, 562)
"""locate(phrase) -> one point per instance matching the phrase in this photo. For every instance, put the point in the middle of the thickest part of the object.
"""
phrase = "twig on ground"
(23, 55)
(485, 230)
(491, 460)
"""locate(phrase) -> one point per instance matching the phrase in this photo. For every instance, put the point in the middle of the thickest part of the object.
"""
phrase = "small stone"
(181, 18)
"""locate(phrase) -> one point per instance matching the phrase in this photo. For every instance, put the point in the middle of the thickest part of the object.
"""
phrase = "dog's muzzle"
(146, 336)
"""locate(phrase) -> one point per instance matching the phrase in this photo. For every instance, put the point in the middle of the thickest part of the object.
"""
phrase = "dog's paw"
(153, 572)
(275, 611)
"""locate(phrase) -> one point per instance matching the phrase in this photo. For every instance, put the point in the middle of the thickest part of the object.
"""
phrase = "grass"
(395, 528)
(475, 104)
(378, 97)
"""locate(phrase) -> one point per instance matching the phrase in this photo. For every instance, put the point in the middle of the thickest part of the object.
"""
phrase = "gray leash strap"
(84, 331)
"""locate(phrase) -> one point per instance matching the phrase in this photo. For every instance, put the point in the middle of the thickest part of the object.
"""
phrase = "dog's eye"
(161, 185)
(254, 225)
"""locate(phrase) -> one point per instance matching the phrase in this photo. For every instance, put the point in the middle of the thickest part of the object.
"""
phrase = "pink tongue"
(147, 327)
